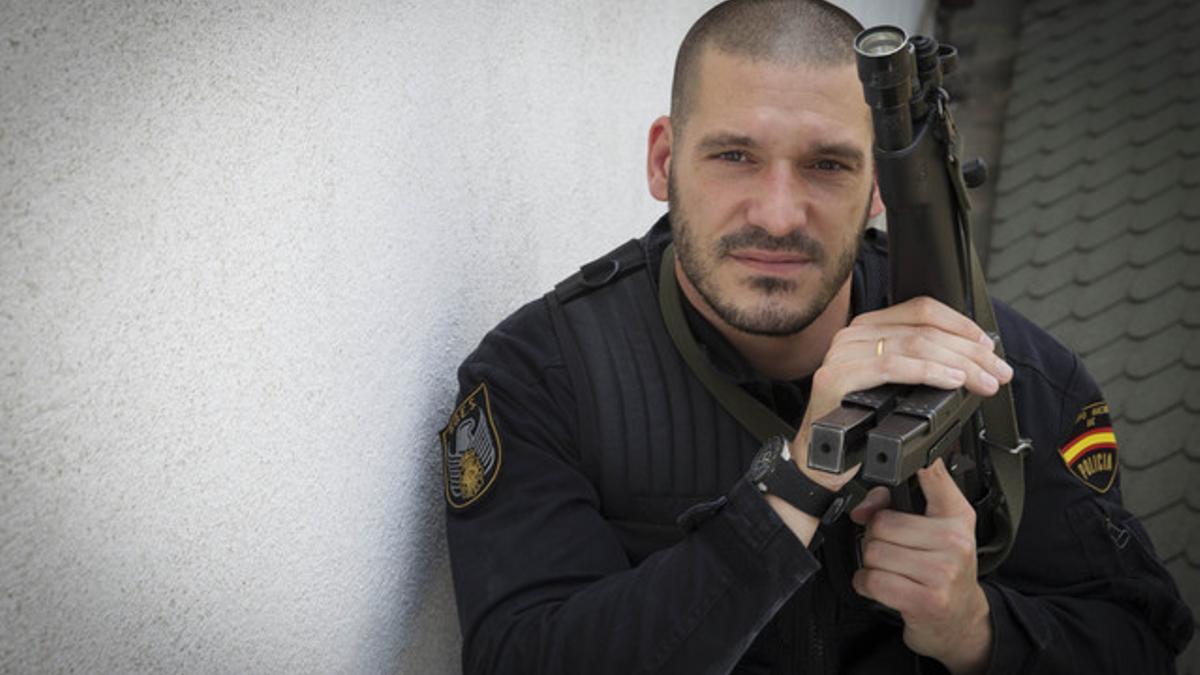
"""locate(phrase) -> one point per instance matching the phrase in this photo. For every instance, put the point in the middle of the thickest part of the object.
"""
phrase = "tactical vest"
(652, 439)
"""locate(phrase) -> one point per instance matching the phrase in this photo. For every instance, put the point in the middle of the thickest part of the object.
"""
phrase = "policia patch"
(470, 450)
(1091, 454)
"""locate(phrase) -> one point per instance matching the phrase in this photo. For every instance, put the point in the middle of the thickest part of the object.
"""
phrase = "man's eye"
(829, 165)
(733, 156)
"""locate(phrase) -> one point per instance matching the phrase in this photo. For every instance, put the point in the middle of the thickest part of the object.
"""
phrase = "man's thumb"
(942, 496)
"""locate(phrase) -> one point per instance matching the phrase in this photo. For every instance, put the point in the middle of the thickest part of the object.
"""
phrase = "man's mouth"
(775, 263)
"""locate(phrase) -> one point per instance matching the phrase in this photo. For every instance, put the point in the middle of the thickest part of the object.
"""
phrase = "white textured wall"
(243, 246)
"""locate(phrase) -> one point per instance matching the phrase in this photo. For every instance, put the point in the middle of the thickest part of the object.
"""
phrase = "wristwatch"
(774, 472)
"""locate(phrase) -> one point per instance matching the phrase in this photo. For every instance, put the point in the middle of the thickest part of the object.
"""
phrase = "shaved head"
(788, 32)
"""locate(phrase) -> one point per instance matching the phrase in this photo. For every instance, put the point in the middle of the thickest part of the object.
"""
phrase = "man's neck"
(788, 357)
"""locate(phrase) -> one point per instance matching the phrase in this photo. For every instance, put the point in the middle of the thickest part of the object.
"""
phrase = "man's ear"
(876, 200)
(658, 157)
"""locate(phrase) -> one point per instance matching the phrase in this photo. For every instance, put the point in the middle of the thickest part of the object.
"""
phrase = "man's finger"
(985, 371)
(891, 368)
(928, 312)
(909, 338)
(877, 499)
(887, 588)
(923, 567)
(942, 496)
(907, 529)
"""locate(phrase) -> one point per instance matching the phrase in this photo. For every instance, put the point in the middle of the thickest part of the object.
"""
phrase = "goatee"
(772, 314)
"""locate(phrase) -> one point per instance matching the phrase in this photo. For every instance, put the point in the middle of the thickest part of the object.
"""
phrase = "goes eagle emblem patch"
(470, 450)
(1091, 454)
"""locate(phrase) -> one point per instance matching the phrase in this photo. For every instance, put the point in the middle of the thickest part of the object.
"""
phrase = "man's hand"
(923, 566)
(920, 341)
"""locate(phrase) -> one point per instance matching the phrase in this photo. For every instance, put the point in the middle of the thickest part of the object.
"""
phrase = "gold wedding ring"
(879, 347)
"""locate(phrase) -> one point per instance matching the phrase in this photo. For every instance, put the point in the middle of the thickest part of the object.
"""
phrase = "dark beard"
(772, 320)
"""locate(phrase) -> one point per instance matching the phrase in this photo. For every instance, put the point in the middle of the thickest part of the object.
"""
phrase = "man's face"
(769, 189)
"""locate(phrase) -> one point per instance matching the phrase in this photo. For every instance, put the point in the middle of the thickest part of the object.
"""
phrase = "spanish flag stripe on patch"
(1101, 437)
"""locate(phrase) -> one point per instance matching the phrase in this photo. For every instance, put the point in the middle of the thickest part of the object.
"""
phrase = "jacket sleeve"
(542, 582)
(1083, 591)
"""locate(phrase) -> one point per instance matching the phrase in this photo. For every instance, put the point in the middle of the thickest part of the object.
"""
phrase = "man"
(599, 516)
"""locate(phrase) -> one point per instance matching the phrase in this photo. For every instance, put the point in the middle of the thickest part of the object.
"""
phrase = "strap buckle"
(1024, 445)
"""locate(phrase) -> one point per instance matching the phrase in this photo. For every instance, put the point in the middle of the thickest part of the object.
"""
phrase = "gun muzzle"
(887, 69)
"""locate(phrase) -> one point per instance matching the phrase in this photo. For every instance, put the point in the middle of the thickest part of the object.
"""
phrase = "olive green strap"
(758, 419)
(1006, 448)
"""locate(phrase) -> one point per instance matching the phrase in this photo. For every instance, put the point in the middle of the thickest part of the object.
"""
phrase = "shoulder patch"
(1091, 454)
(470, 450)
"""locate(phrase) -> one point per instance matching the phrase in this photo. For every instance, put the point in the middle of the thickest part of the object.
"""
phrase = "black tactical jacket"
(655, 557)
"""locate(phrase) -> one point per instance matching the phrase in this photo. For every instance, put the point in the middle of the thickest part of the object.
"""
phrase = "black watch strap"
(785, 480)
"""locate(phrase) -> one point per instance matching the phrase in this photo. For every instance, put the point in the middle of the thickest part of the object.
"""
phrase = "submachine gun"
(895, 430)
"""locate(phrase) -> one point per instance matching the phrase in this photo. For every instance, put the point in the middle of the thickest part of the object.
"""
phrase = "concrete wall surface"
(243, 247)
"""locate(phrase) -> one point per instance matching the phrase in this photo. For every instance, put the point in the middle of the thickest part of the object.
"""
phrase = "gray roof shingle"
(1108, 226)
(1102, 261)
(1057, 215)
(1169, 530)
(1163, 439)
(1096, 235)
(1157, 243)
(1094, 333)
(1159, 351)
(1158, 313)
(1156, 279)
(1156, 395)
(1102, 294)
(1162, 486)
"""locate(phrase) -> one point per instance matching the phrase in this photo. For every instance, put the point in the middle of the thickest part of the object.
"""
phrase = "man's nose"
(781, 202)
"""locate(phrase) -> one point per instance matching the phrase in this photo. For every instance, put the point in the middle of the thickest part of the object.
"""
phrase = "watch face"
(764, 461)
